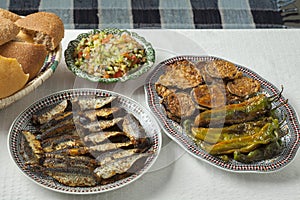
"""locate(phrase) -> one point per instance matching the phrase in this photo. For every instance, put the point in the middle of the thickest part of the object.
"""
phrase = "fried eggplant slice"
(182, 74)
(243, 86)
(222, 69)
(179, 105)
(162, 90)
(207, 79)
(210, 96)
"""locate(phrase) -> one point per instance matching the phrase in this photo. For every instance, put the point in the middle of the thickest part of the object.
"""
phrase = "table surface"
(274, 54)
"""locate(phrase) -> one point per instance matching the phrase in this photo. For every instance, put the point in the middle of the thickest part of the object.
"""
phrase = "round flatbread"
(12, 77)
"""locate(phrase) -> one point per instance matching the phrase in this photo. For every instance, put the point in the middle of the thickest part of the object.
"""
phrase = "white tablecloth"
(274, 54)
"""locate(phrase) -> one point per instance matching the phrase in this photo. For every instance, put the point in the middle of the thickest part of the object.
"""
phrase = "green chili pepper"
(262, 153)
(245, 144)
(214, 135)
(235, 113)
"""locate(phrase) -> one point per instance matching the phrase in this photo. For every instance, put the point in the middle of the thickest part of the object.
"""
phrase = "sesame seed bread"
(8, 30)
(44, 27)
(9, 15)
(30, 56)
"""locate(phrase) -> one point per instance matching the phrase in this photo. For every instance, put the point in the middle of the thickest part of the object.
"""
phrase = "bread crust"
(30, 56)
(12, 77)
(9, 15)
(45, 23)
(8, 30)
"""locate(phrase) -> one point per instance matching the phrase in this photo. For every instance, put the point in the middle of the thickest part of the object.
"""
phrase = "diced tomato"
(106, 76)
(106, 39)
(133, 57)
(80, 54)
(118, 74)
(87, 56)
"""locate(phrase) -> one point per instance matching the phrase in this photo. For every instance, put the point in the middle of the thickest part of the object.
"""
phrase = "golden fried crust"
(163, 91)
(30, 56)
(179, 104)
(243, 86)
(8, 30)
(222, 69)
(45, 23)
(9, 15)
(210, 96)
(181, 74)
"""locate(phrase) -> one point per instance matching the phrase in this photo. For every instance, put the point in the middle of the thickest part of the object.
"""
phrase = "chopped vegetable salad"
(109, 55)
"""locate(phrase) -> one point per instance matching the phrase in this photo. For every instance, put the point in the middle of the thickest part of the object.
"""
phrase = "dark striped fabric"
(85, 14)
(158, 14)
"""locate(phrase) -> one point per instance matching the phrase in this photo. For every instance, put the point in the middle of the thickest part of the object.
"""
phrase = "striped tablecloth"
(169, 14)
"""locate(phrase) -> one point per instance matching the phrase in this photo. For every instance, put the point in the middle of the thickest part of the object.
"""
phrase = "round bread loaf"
(44, 27)
(8, 30)
(12, 77)
(9, 15)
(30, 56)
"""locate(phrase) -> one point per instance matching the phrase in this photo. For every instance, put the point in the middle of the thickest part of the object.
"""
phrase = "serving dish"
(131, 74)
(175, 131)
(24, 122)
(51, 62)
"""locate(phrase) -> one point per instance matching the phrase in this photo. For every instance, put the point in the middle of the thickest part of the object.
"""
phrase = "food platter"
(131, 74)
(175, 130)
(51, 62)
(24, 122)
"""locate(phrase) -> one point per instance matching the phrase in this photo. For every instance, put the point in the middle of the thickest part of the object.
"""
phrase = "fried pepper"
(213, 135)
(245, 144)
(265, 152)
(235, 113)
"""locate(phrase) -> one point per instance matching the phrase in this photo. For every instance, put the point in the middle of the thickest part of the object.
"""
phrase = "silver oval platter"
(97, 157)
(177, 132)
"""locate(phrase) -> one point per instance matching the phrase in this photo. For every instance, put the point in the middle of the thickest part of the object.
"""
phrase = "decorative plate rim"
(50, 64)
(23, 118)
(177, 135)
(69, 59)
